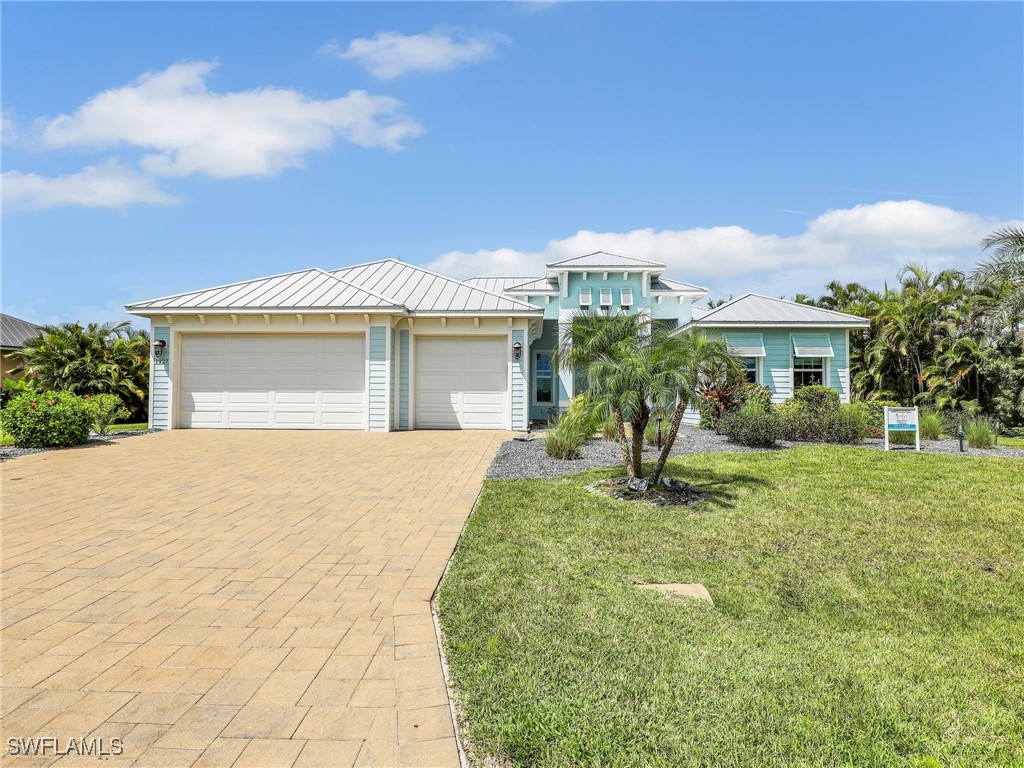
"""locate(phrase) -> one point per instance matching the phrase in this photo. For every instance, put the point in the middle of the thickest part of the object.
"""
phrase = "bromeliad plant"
(632, 366)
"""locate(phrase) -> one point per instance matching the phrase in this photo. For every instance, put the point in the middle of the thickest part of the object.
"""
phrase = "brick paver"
(228, 598)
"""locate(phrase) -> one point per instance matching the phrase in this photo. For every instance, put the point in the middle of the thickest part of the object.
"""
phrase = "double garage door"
(318, 381)
(273, 381)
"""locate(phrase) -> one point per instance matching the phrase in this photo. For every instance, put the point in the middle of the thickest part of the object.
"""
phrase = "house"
(14, 332)
(391, 346)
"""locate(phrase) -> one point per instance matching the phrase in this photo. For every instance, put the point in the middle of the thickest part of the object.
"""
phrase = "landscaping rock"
(637, 484)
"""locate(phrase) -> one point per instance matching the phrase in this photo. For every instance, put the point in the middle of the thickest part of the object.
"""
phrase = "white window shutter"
(626, 296)
(606, 297)
(584, 297)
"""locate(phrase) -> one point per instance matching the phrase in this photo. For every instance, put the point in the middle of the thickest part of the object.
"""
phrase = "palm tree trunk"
(639, 427)
(620, 429)
(670, 439)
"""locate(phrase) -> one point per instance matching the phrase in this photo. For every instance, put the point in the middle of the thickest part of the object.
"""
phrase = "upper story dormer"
(602, 282)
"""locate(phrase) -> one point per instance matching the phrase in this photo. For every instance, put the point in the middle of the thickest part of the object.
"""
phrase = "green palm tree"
(1003, 273)
(634, 366)
(108, 358)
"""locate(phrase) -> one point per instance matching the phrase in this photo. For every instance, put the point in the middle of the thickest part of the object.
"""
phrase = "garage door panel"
(462, 382)
(284, 381)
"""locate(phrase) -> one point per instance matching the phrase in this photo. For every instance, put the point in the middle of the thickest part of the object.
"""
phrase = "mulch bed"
(667, 493)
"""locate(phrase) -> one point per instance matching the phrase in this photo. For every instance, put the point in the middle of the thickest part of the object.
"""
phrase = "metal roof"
(497, 284)
(535, 285)
(306, 289)
(698, 312)
(754, 309)
(602, 260)
(423, 291)
(14, 332)
(664, 285)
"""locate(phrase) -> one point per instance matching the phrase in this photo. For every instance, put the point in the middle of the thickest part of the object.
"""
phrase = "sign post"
(902, 420)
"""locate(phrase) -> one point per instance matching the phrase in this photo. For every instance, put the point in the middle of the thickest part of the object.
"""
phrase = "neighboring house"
(388, 345)
(14, 332)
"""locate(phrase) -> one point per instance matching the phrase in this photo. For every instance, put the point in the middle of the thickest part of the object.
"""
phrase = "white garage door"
(283, 381)
(462, 382)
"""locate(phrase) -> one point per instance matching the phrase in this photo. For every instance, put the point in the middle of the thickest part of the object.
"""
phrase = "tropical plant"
(571, 430)
(93, 359)
(47, 419)
(1004, 272)
(931, 425)
(979, 433)
(105, 410)
(632, 365)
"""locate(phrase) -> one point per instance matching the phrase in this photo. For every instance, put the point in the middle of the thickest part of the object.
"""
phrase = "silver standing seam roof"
(603, 260)
(14, 331)
(423, 291)
(754, 309)
(305, 289)
(664, 285)
(496, 284)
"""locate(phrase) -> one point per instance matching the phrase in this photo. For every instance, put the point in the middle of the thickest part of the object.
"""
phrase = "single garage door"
(267, 381)
(462, 382)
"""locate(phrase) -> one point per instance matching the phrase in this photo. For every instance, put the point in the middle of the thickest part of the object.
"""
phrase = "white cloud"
(110, 185)
(867, 243)
(389, 54)
(257, 132)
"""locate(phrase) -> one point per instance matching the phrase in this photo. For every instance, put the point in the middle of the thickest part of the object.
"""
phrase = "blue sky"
(153, 148)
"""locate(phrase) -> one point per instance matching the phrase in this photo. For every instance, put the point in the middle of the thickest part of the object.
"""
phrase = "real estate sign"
(902, 420)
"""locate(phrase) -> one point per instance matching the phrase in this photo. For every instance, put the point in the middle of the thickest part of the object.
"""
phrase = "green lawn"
(1012, 442)
(868, 612)
(128, 427)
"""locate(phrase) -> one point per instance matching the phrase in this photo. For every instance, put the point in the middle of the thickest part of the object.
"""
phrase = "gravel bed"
(517, 460)
(950, 446)
(13, 452)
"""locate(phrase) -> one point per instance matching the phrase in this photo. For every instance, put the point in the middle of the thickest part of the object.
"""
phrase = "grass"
(867, 612)
(5, 439)
(1012, 442)
(128, 427)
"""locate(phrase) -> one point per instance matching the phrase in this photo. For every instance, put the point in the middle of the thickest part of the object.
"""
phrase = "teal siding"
(776, 366)
(403, 379)
(160, 383)
(378, 393)
(519, 387)
(393, 384)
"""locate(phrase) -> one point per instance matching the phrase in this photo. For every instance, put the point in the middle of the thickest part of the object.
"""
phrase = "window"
(606, 297)
(626, 297)
(750, 368)
(584, 297)
(808, 371)
(543, 379)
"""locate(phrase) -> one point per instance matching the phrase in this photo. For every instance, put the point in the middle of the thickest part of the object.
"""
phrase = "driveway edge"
(436, 616)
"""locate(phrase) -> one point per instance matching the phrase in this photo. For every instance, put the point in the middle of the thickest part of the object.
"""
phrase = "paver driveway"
(235, 598)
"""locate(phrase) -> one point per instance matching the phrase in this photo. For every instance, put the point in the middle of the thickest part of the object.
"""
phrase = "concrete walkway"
(242, 598)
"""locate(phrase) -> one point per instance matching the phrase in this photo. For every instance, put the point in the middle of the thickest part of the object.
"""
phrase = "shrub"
(798, 423)
(758, 394)
(979, 433)
(105, 410)
(931, 425)
(817, 398)
(875, 410)
(814, 414)
(847, 424)
(751, 425)
(47, 420)
(572, 429)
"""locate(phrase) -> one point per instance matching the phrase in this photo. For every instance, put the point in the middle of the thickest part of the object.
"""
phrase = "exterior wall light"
(158, 347)
(517, 350)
